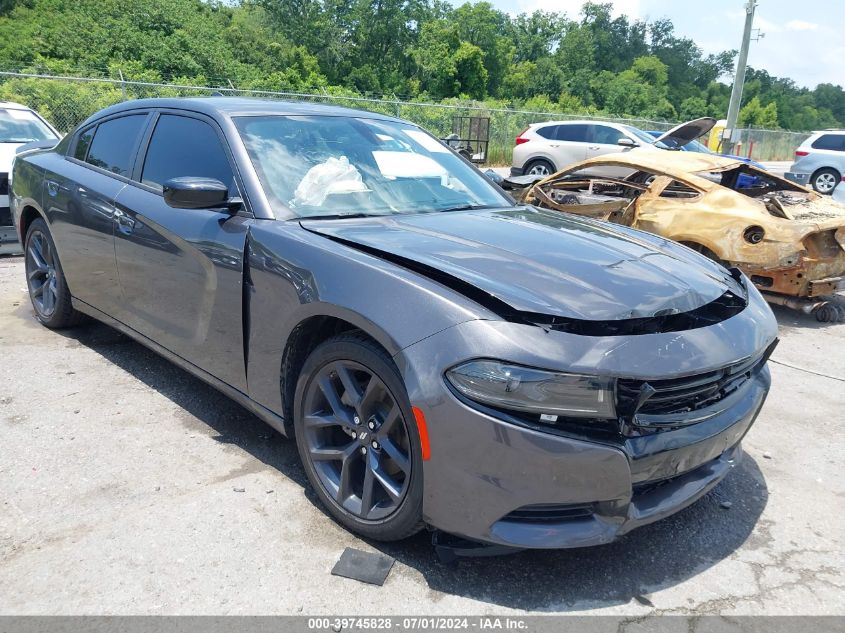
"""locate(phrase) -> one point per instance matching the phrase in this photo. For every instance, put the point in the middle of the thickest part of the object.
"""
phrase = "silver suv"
(820, 161)
(544, 148)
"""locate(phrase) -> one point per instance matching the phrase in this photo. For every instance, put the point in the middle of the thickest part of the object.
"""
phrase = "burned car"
(788, 240)
(441, 356)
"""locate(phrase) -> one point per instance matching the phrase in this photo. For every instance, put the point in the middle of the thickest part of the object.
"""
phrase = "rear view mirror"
(189, 192)
(626, 142)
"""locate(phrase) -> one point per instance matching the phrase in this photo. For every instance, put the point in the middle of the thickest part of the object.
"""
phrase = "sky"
(803, 39)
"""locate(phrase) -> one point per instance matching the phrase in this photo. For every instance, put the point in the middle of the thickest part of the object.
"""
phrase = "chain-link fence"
(769, 144)
(66, 101)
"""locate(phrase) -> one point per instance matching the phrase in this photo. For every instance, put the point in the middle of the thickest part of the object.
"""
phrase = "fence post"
(122, 84)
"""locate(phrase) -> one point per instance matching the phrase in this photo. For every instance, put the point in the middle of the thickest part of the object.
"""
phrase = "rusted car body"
(789, 240)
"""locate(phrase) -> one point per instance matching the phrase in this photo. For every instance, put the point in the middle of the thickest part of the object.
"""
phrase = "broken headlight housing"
(526, 389)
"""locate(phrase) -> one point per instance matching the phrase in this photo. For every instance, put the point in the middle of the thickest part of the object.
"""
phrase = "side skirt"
(266, 415)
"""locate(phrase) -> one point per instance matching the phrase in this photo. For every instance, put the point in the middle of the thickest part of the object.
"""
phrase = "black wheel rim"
(357, 440)
(41, 274)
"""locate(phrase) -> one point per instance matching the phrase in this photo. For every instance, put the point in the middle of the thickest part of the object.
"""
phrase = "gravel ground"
(130, 487)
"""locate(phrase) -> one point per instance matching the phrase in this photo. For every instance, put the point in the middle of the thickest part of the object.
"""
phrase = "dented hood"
(543, 262)
(682, 134)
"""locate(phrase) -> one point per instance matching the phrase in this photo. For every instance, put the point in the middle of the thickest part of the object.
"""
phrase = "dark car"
(442, 356)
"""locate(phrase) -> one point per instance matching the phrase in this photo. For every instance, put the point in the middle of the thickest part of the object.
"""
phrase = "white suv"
(820, 161)
(545, 148)
(18, 126)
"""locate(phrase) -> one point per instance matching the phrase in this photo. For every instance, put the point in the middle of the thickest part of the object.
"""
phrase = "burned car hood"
(543, 262)
(682, 134)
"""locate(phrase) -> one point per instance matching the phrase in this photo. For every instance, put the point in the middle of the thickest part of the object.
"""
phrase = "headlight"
(533, 390)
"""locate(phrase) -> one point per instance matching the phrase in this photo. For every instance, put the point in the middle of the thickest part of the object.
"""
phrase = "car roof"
(584, 122)
(239, 106)
(11, 105)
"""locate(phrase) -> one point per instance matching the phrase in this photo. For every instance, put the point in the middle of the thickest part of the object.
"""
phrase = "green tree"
(757, 115)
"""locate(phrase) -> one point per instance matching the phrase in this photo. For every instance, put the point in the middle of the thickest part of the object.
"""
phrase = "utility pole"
(739, 79)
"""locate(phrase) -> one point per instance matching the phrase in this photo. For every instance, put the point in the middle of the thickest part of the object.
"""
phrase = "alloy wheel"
(41, 274)
(539, 170)
(357, 440)
(825, 183)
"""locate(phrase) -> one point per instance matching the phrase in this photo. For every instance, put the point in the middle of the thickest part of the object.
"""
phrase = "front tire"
(46, 281)
(825, 180)
(357, 439)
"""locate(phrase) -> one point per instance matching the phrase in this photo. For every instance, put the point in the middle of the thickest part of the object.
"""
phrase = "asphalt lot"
(120, 479)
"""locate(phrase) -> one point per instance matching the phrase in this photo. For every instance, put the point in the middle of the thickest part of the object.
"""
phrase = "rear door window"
(83, 143)
(183, 146)
(835, 142)
(114, 143)
(576, 132)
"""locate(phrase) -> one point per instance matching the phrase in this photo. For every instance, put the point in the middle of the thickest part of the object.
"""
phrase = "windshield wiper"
(340, 216)
(468, 207)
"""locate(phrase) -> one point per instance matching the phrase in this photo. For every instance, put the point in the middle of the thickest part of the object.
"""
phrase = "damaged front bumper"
(495, 479)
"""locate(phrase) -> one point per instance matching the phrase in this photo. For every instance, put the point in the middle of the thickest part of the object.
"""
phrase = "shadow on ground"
(648, 559)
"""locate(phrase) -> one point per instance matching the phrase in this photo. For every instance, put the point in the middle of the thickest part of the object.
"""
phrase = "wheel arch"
(313, 328)
(700, 246)
(540, 156)
(824, 168)
(29, 213)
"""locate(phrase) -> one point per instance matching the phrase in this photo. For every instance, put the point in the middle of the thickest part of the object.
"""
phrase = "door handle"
(125, 223)
(594, 147)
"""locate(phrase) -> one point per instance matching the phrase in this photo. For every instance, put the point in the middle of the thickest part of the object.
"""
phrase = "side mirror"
(189, 192)
(626, 142)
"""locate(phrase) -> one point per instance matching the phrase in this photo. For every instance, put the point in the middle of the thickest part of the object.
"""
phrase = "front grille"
(683, 395)
(4, 184)
(549, 513)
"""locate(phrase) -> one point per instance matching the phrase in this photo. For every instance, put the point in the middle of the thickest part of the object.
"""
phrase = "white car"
(820, 161)
(19, 125)
(545, 148)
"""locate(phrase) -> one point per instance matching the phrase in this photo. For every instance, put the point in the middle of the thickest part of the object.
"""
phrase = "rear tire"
(539, 167)
(825, 180)
(358, 440)
(46, 281)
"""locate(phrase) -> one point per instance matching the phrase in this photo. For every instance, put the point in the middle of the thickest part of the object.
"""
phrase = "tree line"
(426, 50)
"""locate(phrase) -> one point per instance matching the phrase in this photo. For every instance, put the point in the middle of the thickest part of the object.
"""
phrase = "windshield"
(645, 137)
(344, 166)
(23, 126)
(696, 146)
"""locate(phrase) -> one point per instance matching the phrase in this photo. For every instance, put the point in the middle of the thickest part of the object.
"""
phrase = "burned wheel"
(357, 440)
(45, 280)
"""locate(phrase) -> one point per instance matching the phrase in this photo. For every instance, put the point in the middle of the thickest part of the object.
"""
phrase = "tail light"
(520, 139)
(801, 152)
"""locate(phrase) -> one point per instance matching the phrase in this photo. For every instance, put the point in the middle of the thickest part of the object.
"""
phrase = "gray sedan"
(442, 356)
